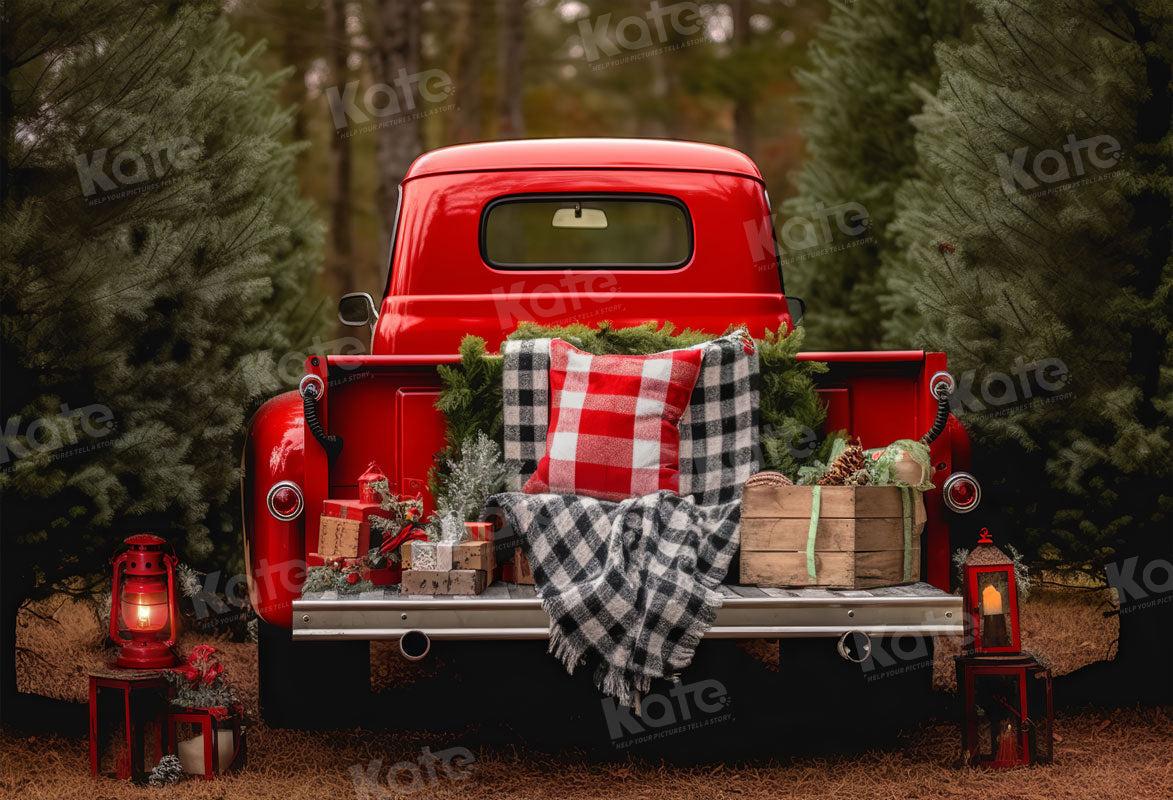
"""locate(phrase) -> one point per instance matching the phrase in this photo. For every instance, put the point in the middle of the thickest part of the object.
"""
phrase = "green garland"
(791, 414)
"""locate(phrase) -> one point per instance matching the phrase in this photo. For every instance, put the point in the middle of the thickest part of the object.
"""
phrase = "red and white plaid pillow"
(613, 422)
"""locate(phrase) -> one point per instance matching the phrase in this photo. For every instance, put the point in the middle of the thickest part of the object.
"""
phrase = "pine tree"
(1050, 140)
(868, 62)
(152, 237)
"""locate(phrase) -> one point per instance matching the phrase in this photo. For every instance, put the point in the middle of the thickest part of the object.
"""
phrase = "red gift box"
(479, 531)
(382, 576)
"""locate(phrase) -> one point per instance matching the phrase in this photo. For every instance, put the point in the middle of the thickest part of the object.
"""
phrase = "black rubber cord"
(942, 392)
(330, 443)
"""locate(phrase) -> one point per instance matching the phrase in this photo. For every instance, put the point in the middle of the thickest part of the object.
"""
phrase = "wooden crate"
(859, 538)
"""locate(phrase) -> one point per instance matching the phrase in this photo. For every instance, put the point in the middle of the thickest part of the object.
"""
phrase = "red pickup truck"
(693, 245)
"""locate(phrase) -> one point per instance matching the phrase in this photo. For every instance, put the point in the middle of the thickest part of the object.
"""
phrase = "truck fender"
(274, 549)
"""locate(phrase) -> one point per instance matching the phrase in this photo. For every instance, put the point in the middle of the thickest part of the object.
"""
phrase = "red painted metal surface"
(210, 725)
(140, 692)
(1034, 716)
(274, 550)
(440, 289)
(531, 154)
(143, 589)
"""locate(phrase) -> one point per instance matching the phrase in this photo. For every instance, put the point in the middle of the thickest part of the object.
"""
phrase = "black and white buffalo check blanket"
(634, 583)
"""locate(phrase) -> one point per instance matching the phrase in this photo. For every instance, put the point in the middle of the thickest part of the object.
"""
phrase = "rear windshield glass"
(586, 231)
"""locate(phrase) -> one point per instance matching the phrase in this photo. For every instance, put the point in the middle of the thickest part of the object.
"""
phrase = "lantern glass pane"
(1041, 740)
(140, 616)
(1000, 717)
(994, 608)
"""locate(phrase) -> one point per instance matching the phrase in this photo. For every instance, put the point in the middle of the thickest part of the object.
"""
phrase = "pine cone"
(860, 477)
(850, 461)
(166, 772)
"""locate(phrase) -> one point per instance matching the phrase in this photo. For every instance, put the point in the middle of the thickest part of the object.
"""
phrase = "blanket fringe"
(564, 649)
(621, 684)
(628, 668)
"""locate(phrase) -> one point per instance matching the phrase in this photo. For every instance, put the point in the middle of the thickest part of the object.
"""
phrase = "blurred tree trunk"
(510, 123)
(339, 274)
(743, 105)
(468, 72)
(653, 125)
(297, 51)
(396, 56)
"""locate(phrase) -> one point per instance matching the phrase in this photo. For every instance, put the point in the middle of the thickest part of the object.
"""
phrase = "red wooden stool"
(144, 700)
(209, 725)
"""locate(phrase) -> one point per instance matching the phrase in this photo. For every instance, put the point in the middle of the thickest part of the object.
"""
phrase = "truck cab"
(474, 252)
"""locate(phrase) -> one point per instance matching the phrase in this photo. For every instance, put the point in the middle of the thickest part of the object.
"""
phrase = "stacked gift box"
(435, 568)
(345, 528)
(345, 537)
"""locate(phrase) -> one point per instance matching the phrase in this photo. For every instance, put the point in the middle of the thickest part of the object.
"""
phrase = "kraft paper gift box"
(345, 528)
(474, 555)
(453, 581)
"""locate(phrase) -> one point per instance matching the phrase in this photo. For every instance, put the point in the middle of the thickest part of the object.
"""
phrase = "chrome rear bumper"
(507, 611)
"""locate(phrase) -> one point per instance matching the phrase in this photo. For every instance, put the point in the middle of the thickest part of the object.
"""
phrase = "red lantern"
(143, 609)
(991, 599)
(367, 481)
(1008, 709)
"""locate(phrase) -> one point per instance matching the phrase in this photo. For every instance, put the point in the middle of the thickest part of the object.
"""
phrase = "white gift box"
(443, 557)
(423, 555)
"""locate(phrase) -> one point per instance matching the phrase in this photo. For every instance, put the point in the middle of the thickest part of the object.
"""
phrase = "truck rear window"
(588, 231)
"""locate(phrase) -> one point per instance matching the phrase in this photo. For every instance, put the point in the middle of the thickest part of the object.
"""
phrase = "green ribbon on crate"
(816, 502)
(816, 505)
(906, 501)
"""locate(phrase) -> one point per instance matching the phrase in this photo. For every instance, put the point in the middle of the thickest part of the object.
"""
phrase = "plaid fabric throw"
(526, 384)
(719, 434)
(633, 583)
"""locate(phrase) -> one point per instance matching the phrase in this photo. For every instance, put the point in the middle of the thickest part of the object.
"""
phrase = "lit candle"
(144, 617)
(991, 601)
(191, 752)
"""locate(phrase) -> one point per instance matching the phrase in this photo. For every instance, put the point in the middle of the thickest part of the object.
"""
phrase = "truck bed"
(512, 611)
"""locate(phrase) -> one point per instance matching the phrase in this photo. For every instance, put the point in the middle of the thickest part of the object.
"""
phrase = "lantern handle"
(117, 562)
(171, 560)
(1012, 710)
(985, 538)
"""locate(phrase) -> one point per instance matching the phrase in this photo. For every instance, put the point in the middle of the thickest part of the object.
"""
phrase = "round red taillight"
(961, 492)
(285, 500)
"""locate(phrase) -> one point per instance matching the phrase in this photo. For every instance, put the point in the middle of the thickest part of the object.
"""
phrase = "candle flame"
(991, 601)
(144, 617)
